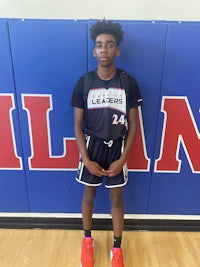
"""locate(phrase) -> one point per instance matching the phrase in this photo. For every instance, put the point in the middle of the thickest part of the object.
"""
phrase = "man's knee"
(116, 199)
(89, 195)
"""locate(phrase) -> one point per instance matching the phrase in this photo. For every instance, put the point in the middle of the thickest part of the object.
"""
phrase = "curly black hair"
(107, 27)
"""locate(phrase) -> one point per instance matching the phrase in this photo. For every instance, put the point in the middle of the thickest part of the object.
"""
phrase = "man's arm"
(92, 166)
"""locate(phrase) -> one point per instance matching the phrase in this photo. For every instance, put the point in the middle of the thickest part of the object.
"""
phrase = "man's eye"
(105, 45)
(98, 46)
(110, 45)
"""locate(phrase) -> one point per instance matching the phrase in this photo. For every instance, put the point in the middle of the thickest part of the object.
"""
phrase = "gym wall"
(40, 63)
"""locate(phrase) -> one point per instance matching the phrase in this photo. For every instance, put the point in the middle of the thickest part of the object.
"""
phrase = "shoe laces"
(88, 249)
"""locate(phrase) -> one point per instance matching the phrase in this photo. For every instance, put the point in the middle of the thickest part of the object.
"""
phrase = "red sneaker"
(87, 254)
(117, 257)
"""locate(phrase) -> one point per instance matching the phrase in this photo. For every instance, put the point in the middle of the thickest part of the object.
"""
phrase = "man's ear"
(94, 53)
(118, 52)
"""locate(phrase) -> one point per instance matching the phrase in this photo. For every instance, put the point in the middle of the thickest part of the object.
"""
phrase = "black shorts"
(103, 153)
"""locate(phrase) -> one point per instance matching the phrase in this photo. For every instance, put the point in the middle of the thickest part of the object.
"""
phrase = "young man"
(105, 125)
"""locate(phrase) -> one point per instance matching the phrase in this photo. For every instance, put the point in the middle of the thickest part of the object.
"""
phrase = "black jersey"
(106, 105)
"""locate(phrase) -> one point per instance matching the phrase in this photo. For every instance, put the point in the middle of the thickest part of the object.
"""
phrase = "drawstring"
(109, 143)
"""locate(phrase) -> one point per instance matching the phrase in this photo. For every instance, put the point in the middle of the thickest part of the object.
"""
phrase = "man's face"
(106, 50)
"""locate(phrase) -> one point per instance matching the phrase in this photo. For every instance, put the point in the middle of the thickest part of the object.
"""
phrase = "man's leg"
(88, 206)
(117, 209)
(87, 254)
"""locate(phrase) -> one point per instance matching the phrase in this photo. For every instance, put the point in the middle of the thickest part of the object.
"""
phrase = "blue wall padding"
(179, 193)
(42, 59)
(48, 57)
(13, 187)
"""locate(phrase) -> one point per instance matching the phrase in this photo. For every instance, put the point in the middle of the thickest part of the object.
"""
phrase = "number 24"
(119, 120)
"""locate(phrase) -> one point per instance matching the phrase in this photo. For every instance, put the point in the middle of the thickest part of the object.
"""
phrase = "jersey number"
(119, 120)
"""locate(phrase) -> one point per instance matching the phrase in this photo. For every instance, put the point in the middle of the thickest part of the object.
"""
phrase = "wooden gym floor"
(61, 248)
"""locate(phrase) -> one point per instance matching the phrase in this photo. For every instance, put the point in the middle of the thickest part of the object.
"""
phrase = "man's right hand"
(94, 168)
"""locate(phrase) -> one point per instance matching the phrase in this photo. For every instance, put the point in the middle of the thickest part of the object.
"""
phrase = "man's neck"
(106, 73)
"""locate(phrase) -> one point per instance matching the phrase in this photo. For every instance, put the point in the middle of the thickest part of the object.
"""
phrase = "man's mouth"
(104, 58)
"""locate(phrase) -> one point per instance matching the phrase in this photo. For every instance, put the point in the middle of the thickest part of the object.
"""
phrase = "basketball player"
(105, 123)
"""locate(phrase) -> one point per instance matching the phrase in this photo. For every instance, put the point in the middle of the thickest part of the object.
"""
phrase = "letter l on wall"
(38, 107)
